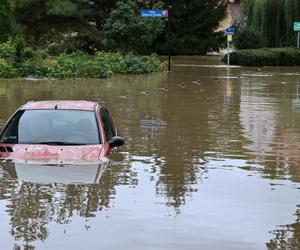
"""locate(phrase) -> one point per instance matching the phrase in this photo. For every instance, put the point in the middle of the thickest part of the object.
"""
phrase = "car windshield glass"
(53, 127)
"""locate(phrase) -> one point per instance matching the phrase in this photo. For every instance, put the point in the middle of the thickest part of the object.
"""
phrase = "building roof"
(61, 104)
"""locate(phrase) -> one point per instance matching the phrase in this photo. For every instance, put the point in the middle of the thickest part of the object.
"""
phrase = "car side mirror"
(116, 141)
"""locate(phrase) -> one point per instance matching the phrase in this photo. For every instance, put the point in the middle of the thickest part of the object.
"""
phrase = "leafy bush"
(78, 65)
(18, 60)
(110, 60)
(6, 69)
(37, 67)
(130, 64)
(7, 50)
(265, 57)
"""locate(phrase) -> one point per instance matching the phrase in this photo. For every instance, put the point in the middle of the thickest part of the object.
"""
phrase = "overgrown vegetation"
(16, 60)
(273, 20)
(265, 57)
(193, 25)
(62, 24)
(126, 31)
(96, 38)
(7, 20)
(72, 25)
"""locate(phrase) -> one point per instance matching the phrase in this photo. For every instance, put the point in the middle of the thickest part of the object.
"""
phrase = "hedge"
(265, 57)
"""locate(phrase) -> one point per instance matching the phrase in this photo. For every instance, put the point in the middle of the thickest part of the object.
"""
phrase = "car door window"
(108, 125)
(111, 122)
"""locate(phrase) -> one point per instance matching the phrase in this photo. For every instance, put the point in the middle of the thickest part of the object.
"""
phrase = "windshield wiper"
(59, 143)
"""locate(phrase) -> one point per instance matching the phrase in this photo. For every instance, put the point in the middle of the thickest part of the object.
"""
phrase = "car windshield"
(53, 127)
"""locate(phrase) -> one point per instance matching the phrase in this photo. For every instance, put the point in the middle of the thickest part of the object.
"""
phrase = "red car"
(59, 130)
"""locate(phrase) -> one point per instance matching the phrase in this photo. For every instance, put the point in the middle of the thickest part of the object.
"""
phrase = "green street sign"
(296, 26)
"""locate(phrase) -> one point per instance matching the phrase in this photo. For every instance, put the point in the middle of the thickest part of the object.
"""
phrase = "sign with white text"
(154, 13)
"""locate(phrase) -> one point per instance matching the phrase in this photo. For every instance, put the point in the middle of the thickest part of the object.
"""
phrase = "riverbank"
(18, 61)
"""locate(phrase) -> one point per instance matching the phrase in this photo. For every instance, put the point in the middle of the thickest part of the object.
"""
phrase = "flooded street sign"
(297, 28)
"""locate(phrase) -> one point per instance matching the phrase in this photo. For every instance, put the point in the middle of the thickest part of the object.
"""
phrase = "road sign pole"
(169, 36)
(228, 54)
(158, 13)
(229, 32)
(169, 44)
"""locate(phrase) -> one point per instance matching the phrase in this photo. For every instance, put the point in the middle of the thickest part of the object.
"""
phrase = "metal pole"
(298, 40)
(169, 36)
(228, 54)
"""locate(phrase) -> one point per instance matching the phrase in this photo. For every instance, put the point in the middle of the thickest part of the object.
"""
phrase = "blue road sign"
(154, 13)
(229, 31)
(296, 26)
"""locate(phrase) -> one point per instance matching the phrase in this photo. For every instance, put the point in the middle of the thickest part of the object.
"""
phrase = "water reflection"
(43, 194)
(36, 172)
(286, 237)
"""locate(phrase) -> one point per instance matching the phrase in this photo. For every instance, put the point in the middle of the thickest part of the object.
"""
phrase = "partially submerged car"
(59, 130)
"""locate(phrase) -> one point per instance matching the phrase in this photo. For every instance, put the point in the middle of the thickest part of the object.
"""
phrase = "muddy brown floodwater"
(212, 161)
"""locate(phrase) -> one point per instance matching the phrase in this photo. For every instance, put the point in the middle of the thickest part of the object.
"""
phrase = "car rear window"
(52, 127)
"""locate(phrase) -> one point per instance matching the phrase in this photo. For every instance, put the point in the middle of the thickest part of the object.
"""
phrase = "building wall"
(233, 15)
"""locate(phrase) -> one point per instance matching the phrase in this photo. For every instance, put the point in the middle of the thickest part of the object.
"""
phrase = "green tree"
(126, 30)
(274, 19)
(7, 22)
(246, 38)
(193, 25)
(63, 23)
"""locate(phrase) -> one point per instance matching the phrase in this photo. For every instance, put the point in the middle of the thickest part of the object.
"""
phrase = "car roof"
(61, 104)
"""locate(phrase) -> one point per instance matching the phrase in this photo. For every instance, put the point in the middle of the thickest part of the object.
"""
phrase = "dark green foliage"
(126, 30)
(7, 21)
(193, 25)
(274, 19)
(66, 26)
(19, 53)
(63, 24)
(265, 57)
(249, 39)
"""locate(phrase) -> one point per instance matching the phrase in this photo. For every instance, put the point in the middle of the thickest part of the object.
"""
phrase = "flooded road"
(211, 161)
